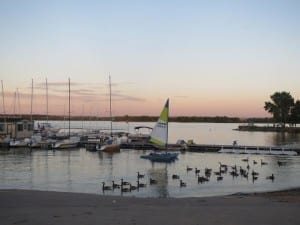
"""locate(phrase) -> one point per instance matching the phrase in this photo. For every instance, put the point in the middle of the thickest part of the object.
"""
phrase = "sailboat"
(70, 142)
(111, 143)
(159, 136)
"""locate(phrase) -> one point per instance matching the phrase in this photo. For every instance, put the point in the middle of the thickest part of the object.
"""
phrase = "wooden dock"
(212, 148)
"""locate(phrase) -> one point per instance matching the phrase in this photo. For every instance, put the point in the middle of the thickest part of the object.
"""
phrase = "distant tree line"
(126, 118)
(284, 108)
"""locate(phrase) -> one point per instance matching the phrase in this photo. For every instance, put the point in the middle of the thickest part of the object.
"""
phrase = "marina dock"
(213, 148)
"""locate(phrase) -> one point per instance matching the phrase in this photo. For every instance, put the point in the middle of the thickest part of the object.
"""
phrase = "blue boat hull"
(161, 157)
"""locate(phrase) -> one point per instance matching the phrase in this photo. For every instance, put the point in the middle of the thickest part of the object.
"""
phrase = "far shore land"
(29, 207)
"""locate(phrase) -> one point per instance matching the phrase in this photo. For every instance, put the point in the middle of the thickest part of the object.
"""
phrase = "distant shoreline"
(268, 128)
(143, 118)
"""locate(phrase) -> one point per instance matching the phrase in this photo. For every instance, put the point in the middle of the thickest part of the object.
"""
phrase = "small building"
(16, 127)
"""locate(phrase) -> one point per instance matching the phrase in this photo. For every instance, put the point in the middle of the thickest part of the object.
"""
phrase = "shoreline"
(49, 207)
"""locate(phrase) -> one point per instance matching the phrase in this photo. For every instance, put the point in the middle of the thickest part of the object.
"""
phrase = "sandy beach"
(46, 207)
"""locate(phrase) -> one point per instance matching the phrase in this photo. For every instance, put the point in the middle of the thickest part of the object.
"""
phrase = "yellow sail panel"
(159, 133)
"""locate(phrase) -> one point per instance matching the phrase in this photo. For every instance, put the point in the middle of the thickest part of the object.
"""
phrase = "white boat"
(71, 142)
(159, 136)
(112, 144)
(19, 143)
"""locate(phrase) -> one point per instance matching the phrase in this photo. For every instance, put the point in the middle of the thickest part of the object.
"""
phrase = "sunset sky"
(211, 58)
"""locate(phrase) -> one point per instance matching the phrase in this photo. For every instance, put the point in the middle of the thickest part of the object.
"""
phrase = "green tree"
(280, 106)
(295, 113)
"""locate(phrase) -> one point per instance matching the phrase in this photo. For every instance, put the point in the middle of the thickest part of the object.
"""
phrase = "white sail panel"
(159, 133)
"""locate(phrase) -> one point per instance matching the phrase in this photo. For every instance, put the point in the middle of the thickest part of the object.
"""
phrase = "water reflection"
(161, 176)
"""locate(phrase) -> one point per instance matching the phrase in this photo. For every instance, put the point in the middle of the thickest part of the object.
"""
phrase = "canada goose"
(197, 170)
(254, 173)
(271, 177)
(263, 163)
(175, 176)
(114, 185)
(223, 165)
(124, 182)
(105, 188)
(188, 168)
(182, 184)
(125, 189)
(219, 178)
(132, 187)
(140, 175)
(245, 160)
(140, 185)
(202, 179)
(152, 181)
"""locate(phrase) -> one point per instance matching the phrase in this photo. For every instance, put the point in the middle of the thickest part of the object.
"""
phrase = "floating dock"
(241, 149)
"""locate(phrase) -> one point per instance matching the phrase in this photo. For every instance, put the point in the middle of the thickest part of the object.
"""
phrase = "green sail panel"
(159, 133)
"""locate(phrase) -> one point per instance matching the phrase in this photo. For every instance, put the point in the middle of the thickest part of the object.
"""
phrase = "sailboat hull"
(110, 148)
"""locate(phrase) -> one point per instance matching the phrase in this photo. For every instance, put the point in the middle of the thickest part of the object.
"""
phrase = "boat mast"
(19, 104)
(69, 106)
(47, 100)
(167, 127)
(110, 114)
(3, 101)
(31, 102)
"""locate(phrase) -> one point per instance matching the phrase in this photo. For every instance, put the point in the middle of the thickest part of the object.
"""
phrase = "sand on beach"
(29, 207)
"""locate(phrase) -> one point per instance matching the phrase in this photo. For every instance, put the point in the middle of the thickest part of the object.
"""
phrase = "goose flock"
(247, 170)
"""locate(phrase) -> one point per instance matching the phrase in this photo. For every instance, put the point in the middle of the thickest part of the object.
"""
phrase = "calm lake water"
(78, 170)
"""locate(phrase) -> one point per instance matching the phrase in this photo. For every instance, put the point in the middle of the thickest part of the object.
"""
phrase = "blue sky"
(209, 57)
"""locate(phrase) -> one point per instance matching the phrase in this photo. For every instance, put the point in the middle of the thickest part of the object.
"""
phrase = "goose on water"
(182, 184)
(104, 188)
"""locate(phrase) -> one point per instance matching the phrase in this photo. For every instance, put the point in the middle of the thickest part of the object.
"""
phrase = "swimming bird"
(219, 178)
(182, 184)
(188, 168)
(124, 182)
(132, 187)
(152, 181)
(140, 185)
(105, 188)
(245, 160)
(175, 176)
(140, 175)
(125, 189)
(202, 179)
(197, 170)
(254, 162)
(271, 177)
(114, 185)
(263, 163)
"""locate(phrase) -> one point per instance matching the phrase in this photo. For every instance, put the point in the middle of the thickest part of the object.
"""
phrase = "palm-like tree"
(280, 106)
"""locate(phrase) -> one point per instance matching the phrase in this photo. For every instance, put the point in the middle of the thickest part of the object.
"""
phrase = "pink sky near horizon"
(93, 102)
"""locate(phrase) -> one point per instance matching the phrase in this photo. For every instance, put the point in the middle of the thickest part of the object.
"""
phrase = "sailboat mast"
(47, 100)
(110, 114)
(31, 102)
(167, 126)
(69, 107)
(19, 104)
(3, 101)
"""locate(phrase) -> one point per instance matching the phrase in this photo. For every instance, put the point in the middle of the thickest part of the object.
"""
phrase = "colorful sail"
(159, 133)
